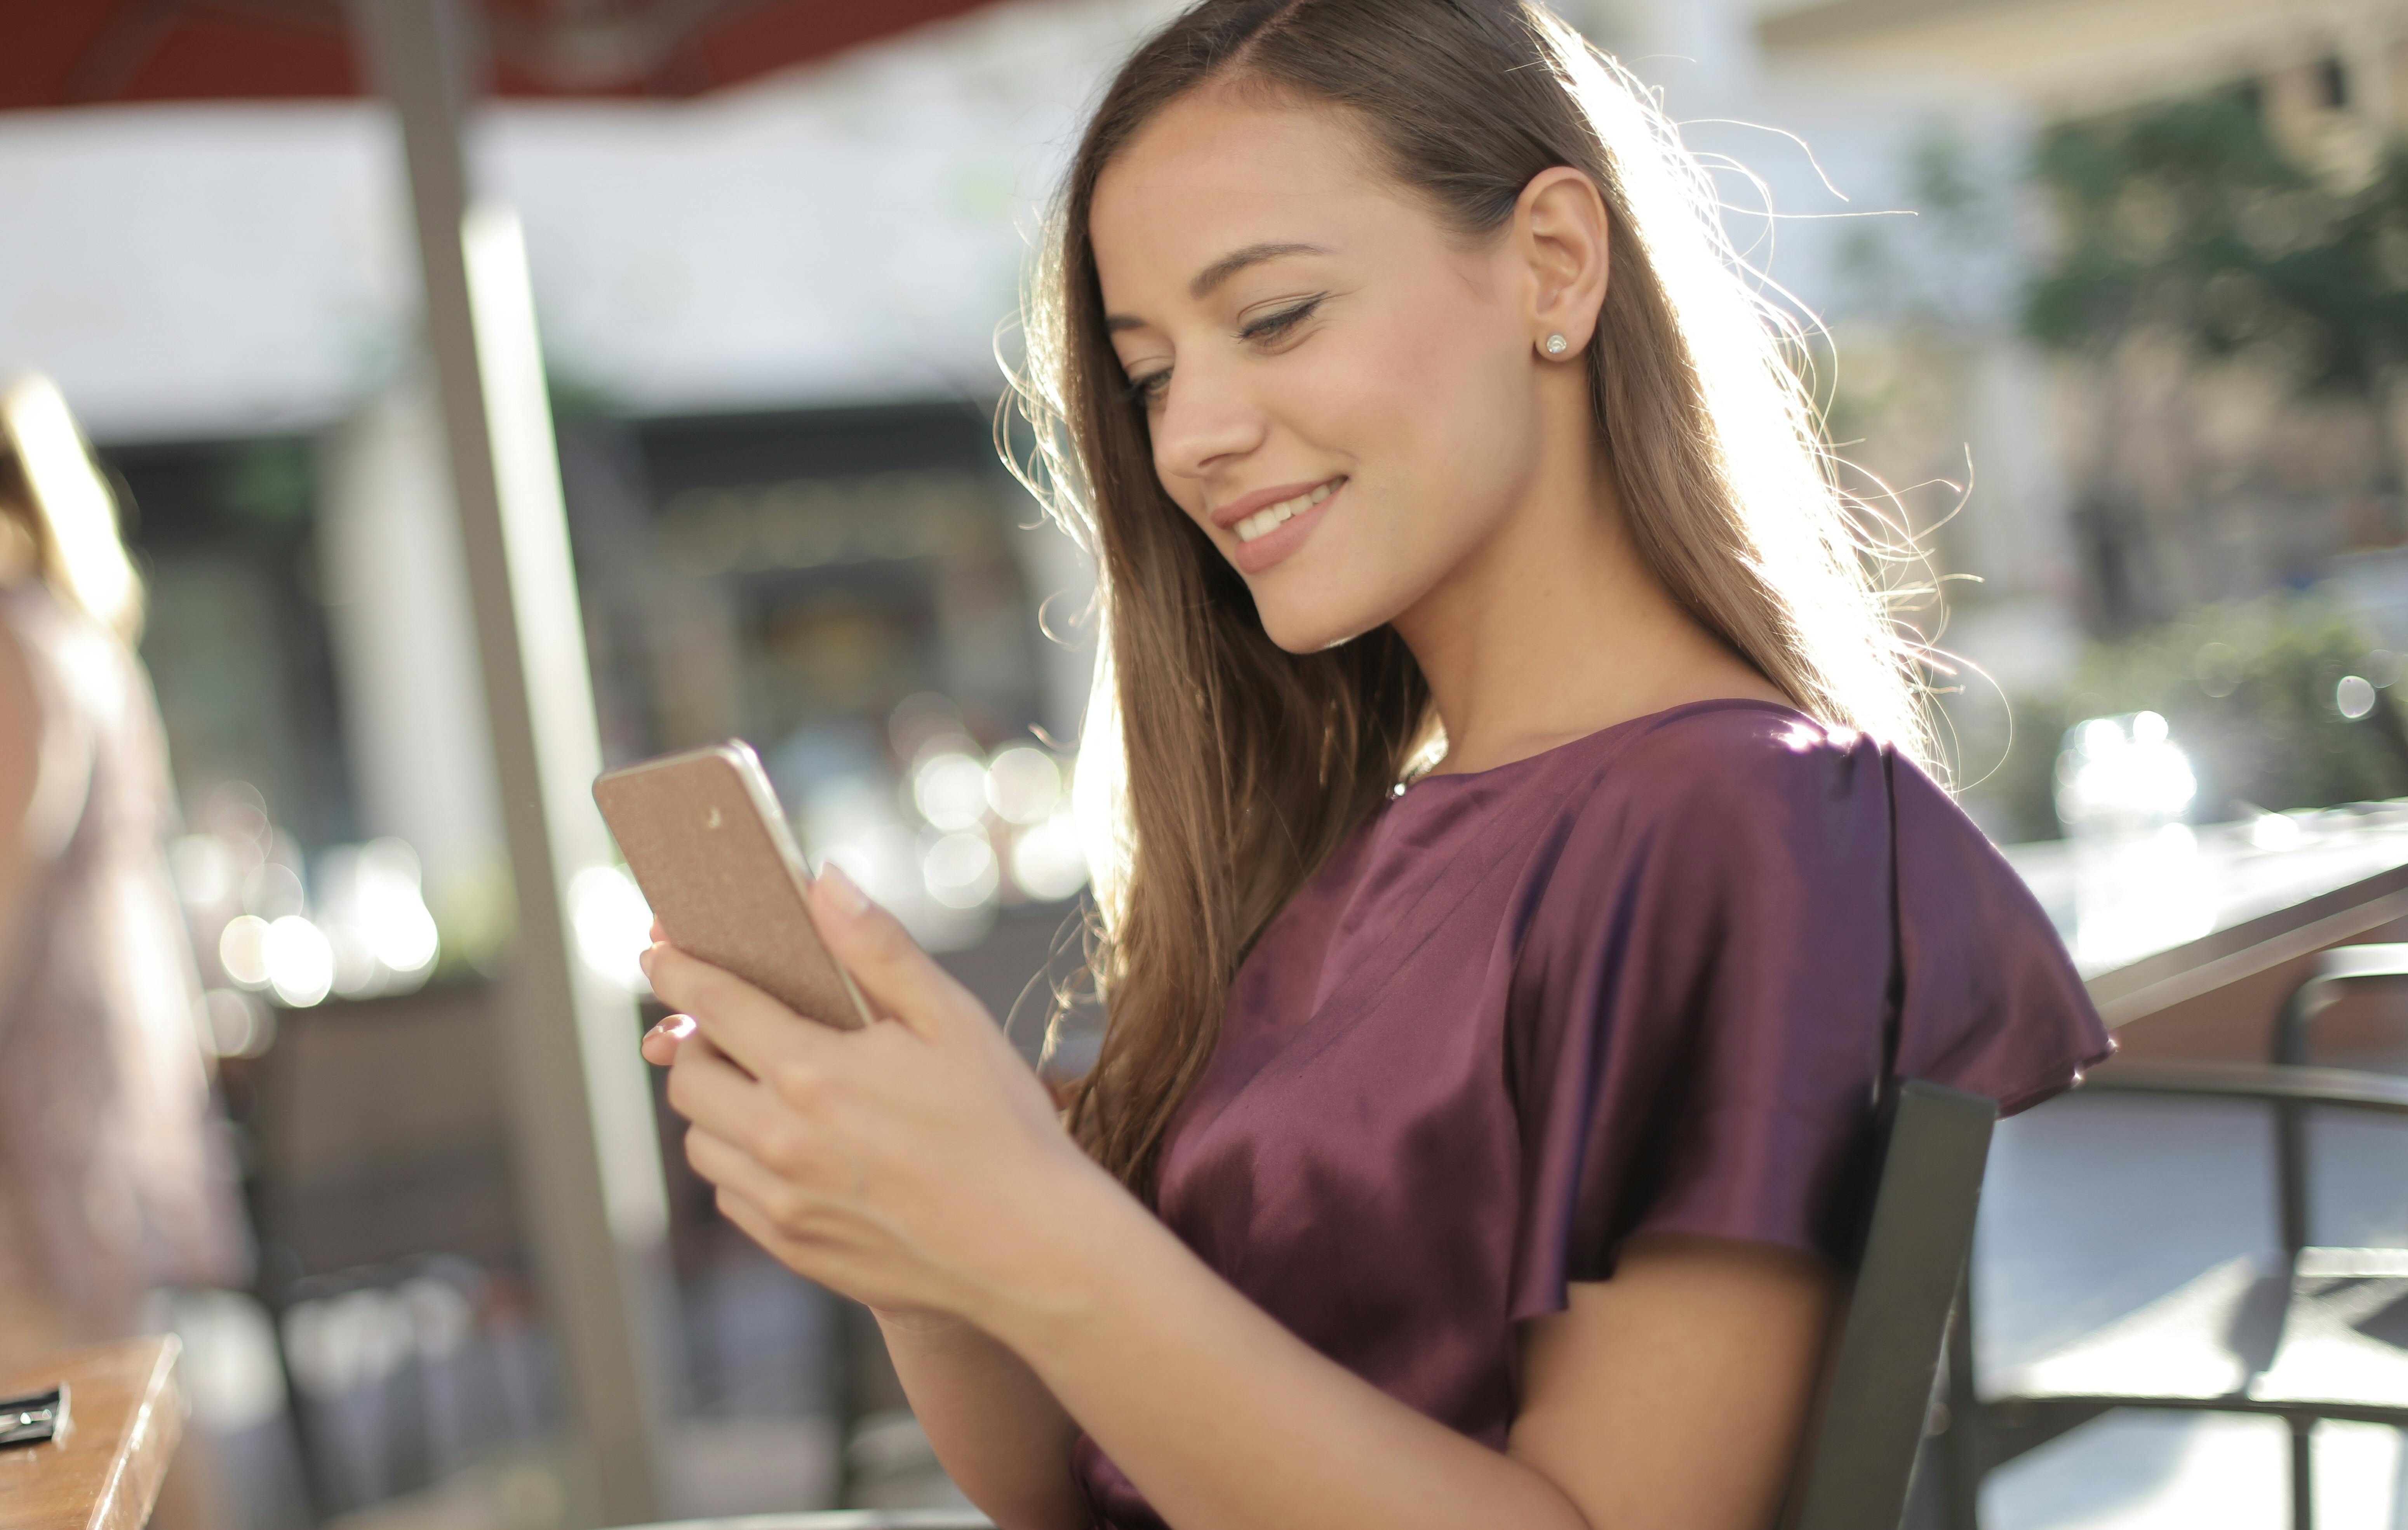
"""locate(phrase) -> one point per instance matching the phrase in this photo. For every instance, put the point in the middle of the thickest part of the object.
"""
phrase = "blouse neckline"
(1558, 750)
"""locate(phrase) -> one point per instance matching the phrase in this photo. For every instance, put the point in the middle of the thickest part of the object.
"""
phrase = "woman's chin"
(1310, 632)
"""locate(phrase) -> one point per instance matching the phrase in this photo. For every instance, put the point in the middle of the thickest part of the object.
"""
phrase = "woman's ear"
(1560, 229)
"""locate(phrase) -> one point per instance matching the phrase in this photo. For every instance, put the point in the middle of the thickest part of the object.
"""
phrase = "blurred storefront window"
(857, 591)
(236, 637)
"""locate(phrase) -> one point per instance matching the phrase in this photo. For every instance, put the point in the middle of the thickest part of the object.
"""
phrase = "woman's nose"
(1205, 419)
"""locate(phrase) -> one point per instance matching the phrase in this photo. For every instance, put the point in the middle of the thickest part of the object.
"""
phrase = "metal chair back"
(2331, 971)
(1859, 1462)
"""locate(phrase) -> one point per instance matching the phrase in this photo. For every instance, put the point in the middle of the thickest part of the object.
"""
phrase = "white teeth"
(1263, 521)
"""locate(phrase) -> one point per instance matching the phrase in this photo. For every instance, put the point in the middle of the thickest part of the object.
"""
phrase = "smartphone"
(709, 845)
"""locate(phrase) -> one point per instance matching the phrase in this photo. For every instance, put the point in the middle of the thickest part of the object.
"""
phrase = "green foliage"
(2248, 690)
(2003, 750)
(266, 485)
(1948, 266)
(2189, 218)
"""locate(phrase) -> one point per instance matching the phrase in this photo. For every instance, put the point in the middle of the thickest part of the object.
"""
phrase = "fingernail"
(848, 897)
(676, 1027)
(644, 960)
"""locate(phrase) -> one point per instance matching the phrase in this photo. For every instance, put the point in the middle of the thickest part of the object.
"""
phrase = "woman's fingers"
(762, 1036)
(733, 1167)
(660, 1043)
(899, 977)
(795, 1251)
(718, 1096)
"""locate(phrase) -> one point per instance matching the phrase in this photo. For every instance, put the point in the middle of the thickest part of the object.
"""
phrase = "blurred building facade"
(851, 234)
(2069, 365)
(842, 240)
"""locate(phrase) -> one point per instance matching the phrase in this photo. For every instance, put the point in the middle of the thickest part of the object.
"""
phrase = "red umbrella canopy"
(73, 52)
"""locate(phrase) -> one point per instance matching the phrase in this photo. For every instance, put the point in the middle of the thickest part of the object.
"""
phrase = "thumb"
(660, 1044)
(897, 977)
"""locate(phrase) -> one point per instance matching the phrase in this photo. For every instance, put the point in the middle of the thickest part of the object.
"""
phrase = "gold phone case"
(709, 845)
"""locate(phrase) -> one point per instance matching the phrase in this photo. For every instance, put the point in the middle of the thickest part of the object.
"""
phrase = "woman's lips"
(1253, 557)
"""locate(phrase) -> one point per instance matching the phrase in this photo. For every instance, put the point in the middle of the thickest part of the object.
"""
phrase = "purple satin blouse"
(1645, 981)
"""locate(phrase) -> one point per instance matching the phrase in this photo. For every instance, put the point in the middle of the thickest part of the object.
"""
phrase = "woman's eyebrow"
(1238, 260)
(1218, 272)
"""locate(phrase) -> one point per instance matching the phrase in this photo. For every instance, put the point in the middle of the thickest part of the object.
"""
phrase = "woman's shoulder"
(1731, 805)
(1802, 873)
(1732, 767)
(1723, 816)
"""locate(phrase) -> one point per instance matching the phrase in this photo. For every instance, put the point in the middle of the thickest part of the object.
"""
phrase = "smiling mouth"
(1263, 522)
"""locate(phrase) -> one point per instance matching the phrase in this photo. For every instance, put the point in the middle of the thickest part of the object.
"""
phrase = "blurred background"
(2114, 296)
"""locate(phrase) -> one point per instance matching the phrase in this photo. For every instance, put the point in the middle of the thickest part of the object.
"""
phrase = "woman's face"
(1339, 391)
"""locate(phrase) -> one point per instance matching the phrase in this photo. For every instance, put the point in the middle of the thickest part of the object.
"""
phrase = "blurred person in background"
(111, 1183)
(1530, 877)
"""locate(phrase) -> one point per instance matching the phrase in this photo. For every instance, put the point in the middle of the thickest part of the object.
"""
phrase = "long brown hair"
(1241, 766)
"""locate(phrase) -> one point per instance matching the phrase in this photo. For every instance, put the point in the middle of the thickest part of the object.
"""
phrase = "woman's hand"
(914, 1164)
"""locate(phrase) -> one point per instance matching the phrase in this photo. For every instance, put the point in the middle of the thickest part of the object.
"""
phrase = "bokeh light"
(239, 1026)
(300, 960)
(241, 950)
(614, 924)
(2354, 698)
(1023, 784)
(1048, 862)
(2123, 772)
(961, 870)
(949, 789)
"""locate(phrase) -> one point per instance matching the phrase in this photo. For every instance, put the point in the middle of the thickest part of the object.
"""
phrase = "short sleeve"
(1722, 966)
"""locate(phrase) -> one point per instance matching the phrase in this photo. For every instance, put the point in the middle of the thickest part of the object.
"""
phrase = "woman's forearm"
(999, 1433)
(1224, 1419)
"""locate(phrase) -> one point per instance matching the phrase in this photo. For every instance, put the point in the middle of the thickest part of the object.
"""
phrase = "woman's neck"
(1555, 628)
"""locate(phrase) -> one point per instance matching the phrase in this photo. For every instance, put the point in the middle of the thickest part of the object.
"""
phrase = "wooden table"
(125, 1413)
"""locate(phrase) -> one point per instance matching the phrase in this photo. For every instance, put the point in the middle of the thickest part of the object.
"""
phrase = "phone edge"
(741, 757)
(756, 782)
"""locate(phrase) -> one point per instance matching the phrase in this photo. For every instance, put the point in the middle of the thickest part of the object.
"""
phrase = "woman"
(111, 1183)
(1471, 1148)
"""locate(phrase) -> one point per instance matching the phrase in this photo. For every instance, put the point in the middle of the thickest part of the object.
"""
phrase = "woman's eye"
(1149, 388)
(1272, 326)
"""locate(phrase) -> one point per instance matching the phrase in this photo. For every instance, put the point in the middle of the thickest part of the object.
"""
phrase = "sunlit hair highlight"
(56, 503)
(1217, 771)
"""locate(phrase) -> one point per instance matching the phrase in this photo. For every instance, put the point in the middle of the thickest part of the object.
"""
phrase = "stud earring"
(1557, 345)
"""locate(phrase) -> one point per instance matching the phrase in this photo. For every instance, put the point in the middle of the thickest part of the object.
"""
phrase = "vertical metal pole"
(2303, 1471)
(588, 1167)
